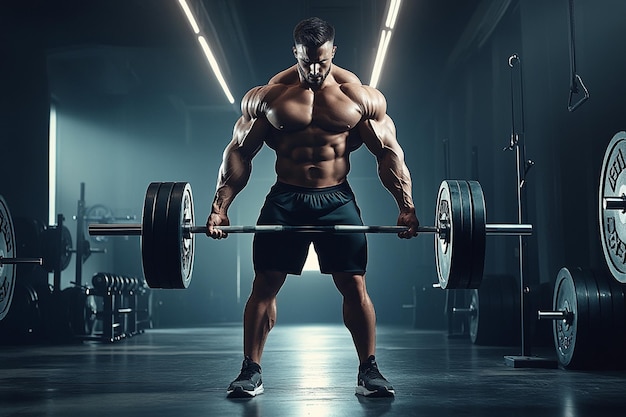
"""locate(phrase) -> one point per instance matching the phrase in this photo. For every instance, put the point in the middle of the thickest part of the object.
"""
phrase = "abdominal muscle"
(311, 158)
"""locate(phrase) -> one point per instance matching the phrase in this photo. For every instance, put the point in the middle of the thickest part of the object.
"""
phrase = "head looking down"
(314, 49)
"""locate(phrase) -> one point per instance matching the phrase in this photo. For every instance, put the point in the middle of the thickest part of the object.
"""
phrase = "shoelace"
(373, 373)
(247, 373)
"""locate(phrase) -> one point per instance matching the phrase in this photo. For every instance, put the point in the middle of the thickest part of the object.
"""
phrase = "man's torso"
(312, 131)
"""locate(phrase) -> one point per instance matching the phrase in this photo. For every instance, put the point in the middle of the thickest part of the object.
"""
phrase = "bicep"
(379, 136)
(248, 136)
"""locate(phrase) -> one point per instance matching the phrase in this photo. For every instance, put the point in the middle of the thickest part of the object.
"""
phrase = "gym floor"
(308, 371)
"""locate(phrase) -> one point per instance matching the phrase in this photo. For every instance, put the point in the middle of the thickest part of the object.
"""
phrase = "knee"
(267, 285)
(351, 287)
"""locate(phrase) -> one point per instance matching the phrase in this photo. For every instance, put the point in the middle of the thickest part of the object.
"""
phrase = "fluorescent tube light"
(385, 37)
(52, 166)
(383, 44)
(190, 18)
(392, 13)
(215, 67)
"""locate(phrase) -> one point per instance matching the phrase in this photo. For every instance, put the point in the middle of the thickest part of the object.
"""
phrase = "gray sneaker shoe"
(371, 383)
(248, 383)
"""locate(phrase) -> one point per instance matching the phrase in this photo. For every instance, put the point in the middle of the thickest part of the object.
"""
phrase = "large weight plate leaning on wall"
(7, 250)
(613, 221)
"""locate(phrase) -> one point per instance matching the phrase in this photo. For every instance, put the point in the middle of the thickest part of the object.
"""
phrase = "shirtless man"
(313, 115)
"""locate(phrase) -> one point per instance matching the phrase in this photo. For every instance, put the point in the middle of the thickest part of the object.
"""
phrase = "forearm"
(396, 178)
(233, 177)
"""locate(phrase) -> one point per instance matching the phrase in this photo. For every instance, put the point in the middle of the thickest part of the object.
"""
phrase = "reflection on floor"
(307, 371)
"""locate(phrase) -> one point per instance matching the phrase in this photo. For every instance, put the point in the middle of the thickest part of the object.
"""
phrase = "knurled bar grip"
(135, 229)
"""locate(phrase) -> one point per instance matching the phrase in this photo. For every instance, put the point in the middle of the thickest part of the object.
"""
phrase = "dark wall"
(24, 109)
(569, 147)
(473, 109)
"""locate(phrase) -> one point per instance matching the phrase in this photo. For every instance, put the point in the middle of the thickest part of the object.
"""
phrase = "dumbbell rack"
(120, 315)
(125, 311)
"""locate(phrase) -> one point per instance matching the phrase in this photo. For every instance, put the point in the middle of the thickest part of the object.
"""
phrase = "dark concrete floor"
(308, 371)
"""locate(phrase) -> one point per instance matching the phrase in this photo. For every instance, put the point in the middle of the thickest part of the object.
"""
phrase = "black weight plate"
(487, 304)
(613, 222)
(478, 244)
(160, 229)
(462, 261)
(573, 339)
(452, 255)
(57, 248)
(29, 235)
(444, 244)
(564, 331)
(150, 262)
(497, 320)
(7, 250)
(591, 322)
(23, 323)
(180, 249)
(481, 323)
(66, 248)
(603, 322)
(474, 318)
(617, 331)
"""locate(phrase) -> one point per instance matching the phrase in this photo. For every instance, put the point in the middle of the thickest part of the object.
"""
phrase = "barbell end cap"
(614, 203)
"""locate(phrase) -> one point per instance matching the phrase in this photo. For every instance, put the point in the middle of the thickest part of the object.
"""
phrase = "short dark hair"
(313, 32)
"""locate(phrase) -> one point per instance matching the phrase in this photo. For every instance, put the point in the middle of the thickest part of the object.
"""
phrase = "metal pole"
(134, 229)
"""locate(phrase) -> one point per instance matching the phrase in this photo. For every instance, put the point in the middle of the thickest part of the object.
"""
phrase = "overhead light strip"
(392, 13)
(207, 50)
(190, 18)
(52, 165)
(383, 44)
(215, 67)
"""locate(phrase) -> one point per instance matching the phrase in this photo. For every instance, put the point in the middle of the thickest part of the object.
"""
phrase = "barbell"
(167, 233)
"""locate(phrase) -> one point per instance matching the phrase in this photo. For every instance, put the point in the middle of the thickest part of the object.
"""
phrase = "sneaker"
(248, 383)
(370, 382)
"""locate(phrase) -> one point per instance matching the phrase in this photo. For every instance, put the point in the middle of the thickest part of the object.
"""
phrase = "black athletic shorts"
(296, 206)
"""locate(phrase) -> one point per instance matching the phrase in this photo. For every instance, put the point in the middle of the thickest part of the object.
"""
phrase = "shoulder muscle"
(256, 102)
(371, 101)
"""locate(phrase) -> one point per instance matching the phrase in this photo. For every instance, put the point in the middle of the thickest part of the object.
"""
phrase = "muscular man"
(313, 115)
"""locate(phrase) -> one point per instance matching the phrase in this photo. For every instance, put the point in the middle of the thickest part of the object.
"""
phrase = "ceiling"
(117, 48)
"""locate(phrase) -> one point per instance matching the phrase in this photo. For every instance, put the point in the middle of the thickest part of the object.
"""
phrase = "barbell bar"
(134, 229)
(13, 261)
(167, 233)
